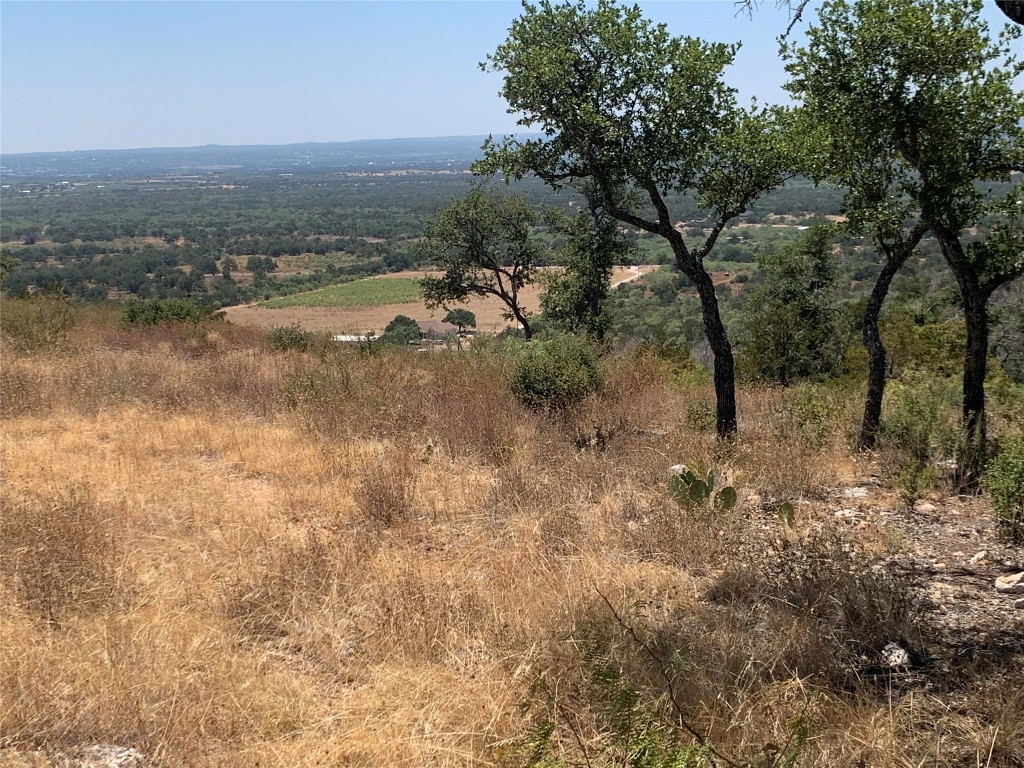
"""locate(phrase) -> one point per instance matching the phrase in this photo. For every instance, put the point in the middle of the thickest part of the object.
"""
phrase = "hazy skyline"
(118, 75)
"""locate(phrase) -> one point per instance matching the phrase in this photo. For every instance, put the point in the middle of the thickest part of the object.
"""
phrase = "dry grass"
(223, 556)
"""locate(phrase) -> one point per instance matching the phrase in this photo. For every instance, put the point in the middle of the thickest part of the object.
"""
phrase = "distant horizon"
(139, 75)
(219, 145)
(94, 75)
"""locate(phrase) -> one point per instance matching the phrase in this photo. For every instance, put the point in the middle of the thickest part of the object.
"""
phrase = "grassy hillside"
(225, 556)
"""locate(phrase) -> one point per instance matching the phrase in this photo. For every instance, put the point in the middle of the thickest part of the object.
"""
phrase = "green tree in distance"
(791, 326)
(484, 244)
(934, 94)
(401, 331)
(639, 114)
(575, 299)
(460, 317)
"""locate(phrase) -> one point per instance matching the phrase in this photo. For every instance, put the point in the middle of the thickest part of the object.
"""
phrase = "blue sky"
(112, 75)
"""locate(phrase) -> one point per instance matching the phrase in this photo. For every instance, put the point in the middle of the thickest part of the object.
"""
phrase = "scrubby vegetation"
(241, 556)
(598, 537)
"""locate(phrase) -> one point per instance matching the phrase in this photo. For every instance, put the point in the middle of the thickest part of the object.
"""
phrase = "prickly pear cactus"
(688, 490)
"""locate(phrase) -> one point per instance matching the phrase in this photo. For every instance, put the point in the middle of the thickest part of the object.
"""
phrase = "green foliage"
(916, 417)
(1004, 483)
(809, 412)
(624, 108)
(143, 312)
(373, 292)
(886, 86)
(289, 337)
(914, 479)
(922, 340)
(260, 266)
(700, 416)
(791, 329)
(401, 331)
(483, 244)
(688, 490)
(461, 317)
(555, 374)
(574, 300)
(7, 264)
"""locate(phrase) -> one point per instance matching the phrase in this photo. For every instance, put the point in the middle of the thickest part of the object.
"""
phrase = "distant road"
(636, 273)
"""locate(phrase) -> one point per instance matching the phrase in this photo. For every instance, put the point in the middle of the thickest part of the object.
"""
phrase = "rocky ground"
(969, 577)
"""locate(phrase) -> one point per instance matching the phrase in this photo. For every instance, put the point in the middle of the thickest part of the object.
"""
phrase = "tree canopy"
(401, 331)
(639, 114)
(916, 105)
(460, 317)
(483, 243)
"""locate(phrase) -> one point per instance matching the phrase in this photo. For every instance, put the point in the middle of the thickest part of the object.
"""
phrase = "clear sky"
(114, 75)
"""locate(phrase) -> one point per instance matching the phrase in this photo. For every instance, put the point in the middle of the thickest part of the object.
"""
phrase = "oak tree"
(931, 92)
(483, 243)
(642, 116)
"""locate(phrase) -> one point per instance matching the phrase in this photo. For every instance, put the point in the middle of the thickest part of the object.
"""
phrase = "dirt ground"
(358, 320)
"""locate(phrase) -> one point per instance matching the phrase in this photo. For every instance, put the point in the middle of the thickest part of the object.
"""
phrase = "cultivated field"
(218, 555)
(361, 293)
(314, 311)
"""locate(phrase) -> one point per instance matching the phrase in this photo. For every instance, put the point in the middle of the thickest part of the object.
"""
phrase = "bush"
(701, 417)
(285, 337)
(37, 321)
(916, 415)
(163, 311)
(809, 411)
(1004, 482)
(553, 375)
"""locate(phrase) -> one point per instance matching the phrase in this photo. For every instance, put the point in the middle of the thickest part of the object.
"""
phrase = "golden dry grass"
(224, 556)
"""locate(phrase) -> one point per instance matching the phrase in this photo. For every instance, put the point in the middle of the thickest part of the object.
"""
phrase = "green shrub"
(914, 479)
(289, 337)
(810, 411)
(555, 374)
(915, 419)
(138, 312)
(701, 417)
(1004, 482)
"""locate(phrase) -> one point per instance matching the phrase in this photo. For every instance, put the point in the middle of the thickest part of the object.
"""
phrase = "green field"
(361, 293)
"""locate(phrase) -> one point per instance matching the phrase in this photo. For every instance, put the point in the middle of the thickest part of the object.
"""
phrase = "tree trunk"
(876, 354)
(975, 361)
(521, 318)
(975, 298)
(725, 374)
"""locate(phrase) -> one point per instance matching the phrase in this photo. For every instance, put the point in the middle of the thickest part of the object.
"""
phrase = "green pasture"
(361, 293)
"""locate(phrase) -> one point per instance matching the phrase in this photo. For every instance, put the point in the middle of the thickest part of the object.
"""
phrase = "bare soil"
(489, 311)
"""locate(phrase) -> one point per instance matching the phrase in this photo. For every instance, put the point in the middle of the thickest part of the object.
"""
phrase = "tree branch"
(670, 689)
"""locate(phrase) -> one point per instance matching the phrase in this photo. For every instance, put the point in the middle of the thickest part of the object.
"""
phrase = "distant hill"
(442, 153)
